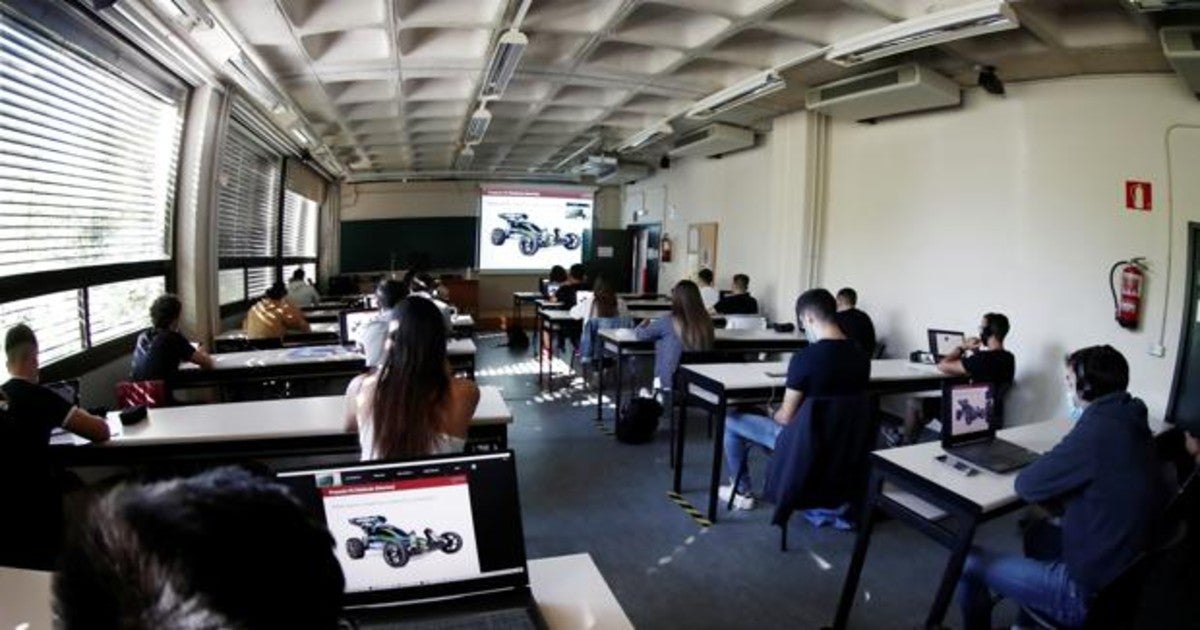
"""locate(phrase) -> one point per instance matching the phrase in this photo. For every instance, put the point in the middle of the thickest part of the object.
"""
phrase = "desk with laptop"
(323, 333)
(417, 544)
(260, 429)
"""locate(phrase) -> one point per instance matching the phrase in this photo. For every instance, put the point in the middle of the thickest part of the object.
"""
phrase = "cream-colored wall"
(394, 200)
(757, 198)
(1016, 205)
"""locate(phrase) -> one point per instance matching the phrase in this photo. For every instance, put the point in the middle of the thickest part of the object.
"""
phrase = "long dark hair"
(604, 300)
(692, 323)
(413, 382)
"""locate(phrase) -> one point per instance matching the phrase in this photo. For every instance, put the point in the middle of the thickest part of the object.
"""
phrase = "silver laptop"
(943, 342)
(430, 543)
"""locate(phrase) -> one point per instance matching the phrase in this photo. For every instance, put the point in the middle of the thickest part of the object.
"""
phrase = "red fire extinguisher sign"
(1138, 196)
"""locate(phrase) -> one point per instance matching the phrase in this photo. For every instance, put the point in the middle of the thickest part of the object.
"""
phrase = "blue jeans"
(741, 431)
(1043, 586)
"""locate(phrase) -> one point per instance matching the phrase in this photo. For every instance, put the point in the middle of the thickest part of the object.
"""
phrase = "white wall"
(757, 198)
(1016, 205)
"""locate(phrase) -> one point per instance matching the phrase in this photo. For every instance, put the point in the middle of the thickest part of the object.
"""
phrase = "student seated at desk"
(738, 302)
(159, 350)
(300, 292)
(576, 281)
(856, 324)
(373, 335)
(604, 313)
(982, 359)
(831, 365)
(411, 405)
(222, 549)
(273, 315)
(31, 527)
(708, 293)
(687, 327)
(1104, 480)
(558, 276)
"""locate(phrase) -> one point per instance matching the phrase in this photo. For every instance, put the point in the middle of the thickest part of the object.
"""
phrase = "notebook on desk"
(969, 433)
(432, 543)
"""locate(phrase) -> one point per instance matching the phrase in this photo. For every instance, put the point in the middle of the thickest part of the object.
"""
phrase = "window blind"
(300, 226)
(258, 280)
(87, 172)
(248, 197)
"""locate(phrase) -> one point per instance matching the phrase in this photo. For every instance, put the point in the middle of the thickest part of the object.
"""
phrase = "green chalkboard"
(429, 243)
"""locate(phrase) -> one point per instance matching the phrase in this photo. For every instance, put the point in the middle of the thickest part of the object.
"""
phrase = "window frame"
(78, 31)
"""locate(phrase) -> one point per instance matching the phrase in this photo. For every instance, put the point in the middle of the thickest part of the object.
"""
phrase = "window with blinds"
(248, 197)
(88, 160)
(299, 226)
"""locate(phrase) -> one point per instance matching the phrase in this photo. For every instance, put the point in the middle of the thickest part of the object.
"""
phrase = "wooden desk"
(717, 386)
(322, 333)
(266, 365)
(570, 592)
(969, 501)
(622, 342)
(260, 429)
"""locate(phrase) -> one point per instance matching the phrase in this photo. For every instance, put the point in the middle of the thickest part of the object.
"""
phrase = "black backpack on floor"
(639, 421)
(517, 337)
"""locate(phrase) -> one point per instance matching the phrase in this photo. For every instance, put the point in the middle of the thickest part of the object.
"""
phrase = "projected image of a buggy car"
(530, 238)
(396, 544)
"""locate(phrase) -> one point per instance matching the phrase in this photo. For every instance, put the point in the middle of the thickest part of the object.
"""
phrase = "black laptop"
(943, 342)
(430, 543)
(969, 433)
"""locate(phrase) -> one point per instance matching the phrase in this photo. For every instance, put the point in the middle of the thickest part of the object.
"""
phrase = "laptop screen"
(967, 412)
(414, 531)
(943, 342)
(351, 322)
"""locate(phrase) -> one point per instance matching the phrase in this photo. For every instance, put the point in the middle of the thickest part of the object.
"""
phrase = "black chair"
(821, 458)
(702, 357)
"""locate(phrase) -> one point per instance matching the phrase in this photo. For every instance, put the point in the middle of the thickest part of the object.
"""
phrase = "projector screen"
(529, 228)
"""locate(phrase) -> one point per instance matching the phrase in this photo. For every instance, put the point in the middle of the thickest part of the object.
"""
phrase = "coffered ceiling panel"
(390, 84)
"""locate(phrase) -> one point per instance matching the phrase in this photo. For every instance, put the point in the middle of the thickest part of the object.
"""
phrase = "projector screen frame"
(553, 191)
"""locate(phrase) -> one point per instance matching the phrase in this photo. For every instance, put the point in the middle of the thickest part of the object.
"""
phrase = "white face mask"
(810, 332)
(1074, 411)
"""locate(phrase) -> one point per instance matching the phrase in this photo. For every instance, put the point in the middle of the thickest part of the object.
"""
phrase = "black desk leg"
(680, 432)
(541, 349)
(620, 389)
(718, 459)
(866, 523)
(954, 568)
(600, 388)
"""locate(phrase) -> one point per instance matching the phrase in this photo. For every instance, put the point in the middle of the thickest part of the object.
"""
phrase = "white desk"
(572, 594)
(280, 363)
(463, 325)
(322, 333)
(260, 428)
(570, 591)
(714, 387)
(648, 305)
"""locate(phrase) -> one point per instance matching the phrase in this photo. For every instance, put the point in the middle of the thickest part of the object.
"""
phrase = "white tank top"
(359, 396)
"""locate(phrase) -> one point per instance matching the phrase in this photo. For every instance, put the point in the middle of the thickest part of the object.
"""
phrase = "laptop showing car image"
(351, 322)
(943, 342)
(969, 433)
(434, 540)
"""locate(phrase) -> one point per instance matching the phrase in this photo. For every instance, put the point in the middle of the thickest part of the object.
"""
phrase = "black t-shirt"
(857, 325)
(997, 367)
(830, 367)
(158, 353)
(567, 294)
(737, 304)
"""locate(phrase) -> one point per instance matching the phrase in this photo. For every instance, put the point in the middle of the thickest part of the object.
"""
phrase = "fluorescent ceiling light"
(503, 64)
(464, 159)
(578, 153)
(478, 125)
(977, 18)
(646, 137)
(755, 87)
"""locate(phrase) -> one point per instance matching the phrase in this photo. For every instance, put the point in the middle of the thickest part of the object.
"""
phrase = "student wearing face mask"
(831, 365)
(983, 359)
(1103, 480)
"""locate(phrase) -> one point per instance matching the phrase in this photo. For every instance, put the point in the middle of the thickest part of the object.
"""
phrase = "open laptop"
(350, 322)
(969, 433)
(943, 342)
(430, 543)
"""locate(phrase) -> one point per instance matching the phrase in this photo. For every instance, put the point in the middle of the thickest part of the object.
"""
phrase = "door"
(1185, 394)
(609, 254)
(646, 240)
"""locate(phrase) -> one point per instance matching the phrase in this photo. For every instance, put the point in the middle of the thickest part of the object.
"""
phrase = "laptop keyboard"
(510, 619)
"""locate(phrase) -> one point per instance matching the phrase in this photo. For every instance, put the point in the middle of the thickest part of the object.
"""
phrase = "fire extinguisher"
(665, 248)
(1128, 304)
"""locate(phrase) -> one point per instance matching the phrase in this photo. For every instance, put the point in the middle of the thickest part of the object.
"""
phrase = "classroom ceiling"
(391, 84)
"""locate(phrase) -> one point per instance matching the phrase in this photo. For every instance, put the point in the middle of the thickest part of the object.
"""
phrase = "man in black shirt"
(738, 302)
(567, 293)
(856, 324)
(831, 365)
(982, 359)
(160, 350)
(30, 531)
